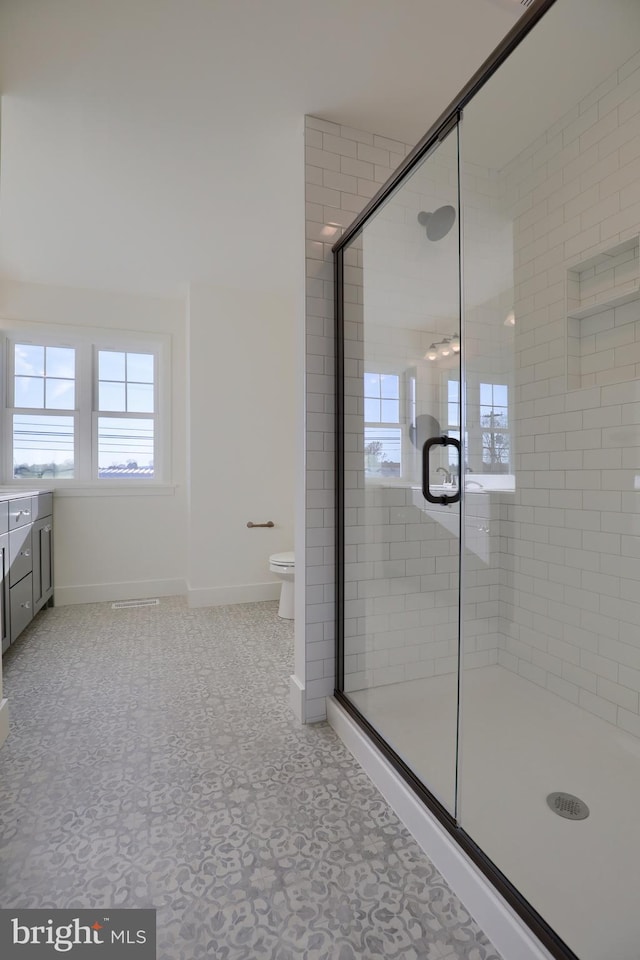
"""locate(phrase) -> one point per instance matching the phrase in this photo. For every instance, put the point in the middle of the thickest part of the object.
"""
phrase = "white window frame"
(10, 410)
(400, 425)
(506, 431)
(87, 343)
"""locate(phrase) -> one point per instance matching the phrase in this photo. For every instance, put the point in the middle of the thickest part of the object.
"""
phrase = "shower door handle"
(443, 497)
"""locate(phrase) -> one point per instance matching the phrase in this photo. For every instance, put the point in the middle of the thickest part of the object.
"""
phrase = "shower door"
(549, 763)
(400, 448)
(496, 649)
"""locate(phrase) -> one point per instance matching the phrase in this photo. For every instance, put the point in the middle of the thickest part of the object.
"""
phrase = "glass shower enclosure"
(489, 472)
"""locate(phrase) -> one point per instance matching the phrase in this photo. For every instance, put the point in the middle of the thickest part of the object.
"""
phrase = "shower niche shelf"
(603, 316)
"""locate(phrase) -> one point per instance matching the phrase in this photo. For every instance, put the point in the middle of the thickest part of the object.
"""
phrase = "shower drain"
(568, 806)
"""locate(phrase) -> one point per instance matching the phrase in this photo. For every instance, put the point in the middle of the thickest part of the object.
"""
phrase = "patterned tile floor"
(153, 761)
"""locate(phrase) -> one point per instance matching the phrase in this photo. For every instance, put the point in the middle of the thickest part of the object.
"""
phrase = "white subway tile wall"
(345, 167)
(570, 581)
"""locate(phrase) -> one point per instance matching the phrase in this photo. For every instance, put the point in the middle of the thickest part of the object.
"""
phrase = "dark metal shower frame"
(445, 123)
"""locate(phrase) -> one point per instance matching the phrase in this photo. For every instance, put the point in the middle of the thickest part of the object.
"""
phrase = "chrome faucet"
(447, 474)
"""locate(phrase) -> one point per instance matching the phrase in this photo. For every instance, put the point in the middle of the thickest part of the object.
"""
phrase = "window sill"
(391, 482)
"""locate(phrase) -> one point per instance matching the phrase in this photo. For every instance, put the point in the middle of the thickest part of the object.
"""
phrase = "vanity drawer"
(20, 554)
(21, 606)
(20, 512)
(41, 506)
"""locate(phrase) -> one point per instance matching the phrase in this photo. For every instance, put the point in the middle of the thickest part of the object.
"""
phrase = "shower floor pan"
(519, 743)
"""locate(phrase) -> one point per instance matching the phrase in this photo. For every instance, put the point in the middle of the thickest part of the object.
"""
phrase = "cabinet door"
(42, 538)
(20, 512)
(21, 599)
(20, 554)
(5, 635)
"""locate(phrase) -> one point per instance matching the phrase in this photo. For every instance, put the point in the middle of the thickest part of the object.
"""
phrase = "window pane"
(125, 448)
(29, 360)
(61, 362)
(42, 446)
(389, 386)
(453, 455)
(454, 390)
(29, 392)
(382, 452)
(500, 394)
(500, 416)
(140, 367)
(111, 396)
(454, 414)
(140, 397)
(486, 393)
(111, 365)
(372, 410)
(390, 411)
(493, 417)
(495, 448)
(60, 394)
(372, 385)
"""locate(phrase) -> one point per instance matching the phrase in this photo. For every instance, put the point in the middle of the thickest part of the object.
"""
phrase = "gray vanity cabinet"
(5, 632)
(21, 600)
(42, 542)
(20, 554)
(26, 561)
(20, 567)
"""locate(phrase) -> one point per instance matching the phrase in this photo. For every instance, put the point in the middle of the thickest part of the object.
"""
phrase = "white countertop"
(12, 493)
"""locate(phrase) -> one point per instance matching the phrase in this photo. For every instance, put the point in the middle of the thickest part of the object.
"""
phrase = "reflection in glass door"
(549, 763)
(402, 470)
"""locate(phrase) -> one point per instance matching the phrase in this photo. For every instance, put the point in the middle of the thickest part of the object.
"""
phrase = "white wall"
(232, 435)
(114, 547)
(232, 387)
(241, 441)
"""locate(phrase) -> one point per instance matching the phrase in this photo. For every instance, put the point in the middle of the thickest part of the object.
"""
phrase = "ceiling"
(388, 65)
(148, 143)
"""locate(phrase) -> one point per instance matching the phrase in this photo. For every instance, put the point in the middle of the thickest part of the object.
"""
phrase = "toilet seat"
(286, 560)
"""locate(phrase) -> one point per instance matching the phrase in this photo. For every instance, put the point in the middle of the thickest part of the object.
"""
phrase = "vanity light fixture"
(443, 348)
(510, 319)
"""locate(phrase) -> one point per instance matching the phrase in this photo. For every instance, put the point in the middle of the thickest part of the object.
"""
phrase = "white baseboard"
(296, 697)
(242, 593)
(4, 720)
(142, 589)
(130, 590)
(510, 936)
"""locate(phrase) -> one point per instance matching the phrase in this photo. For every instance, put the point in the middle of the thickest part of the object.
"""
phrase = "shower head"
(439, 222)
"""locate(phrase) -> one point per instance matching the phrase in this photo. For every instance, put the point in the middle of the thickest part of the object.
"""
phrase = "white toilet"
(285, 566)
